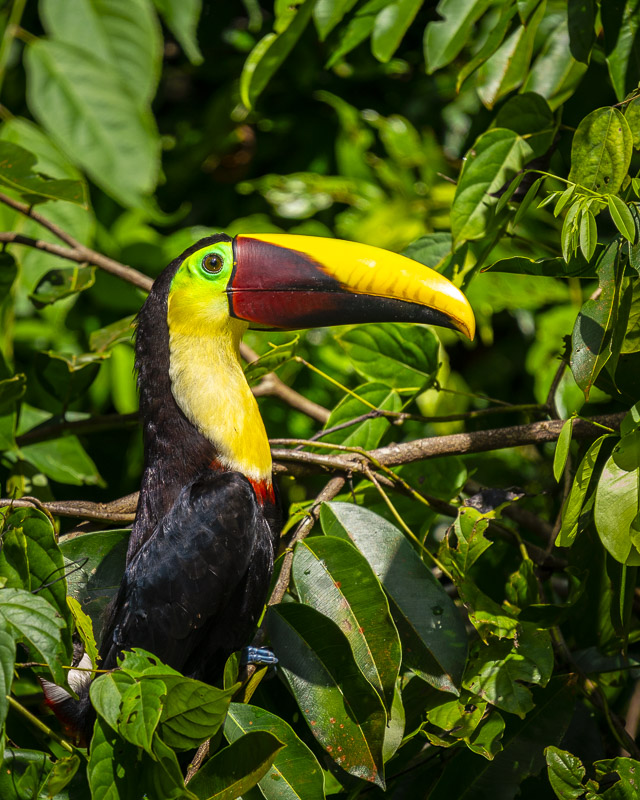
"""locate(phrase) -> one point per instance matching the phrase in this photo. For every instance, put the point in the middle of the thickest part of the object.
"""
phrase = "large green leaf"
(64, 460)
(429, 623)
(617, 505)
(32, 620)
(621, 25)
(295, 773)
(397, 354)
(270, 52)
(140, 711)
(495, 157)
(507, 67)
(7, 661)
(81, 103)
(342, 709)
(555, 73)
(124, 34)
(17, 173)
(591, 341)
(565, 773)
(577, 495)
(443, 40)
(235, 769)
(335, 579)
(192, 712)
(601, 151)
(529, 114)
(29, 550)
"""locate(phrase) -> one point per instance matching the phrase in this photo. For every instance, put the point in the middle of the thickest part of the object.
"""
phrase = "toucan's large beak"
(287, 282)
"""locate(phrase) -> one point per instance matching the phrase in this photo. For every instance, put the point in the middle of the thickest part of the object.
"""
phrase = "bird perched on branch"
(202, 547)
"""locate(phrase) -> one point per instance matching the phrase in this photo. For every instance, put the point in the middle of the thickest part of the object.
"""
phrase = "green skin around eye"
(192, 268)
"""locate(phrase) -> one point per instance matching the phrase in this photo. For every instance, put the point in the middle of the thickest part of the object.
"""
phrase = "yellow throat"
(208, 384)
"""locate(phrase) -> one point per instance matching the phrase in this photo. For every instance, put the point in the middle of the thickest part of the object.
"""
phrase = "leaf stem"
(9, 35)
(40, 725)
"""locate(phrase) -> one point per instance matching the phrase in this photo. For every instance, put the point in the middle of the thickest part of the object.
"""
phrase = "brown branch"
(454, 444)
(78, 427)
(121, 510)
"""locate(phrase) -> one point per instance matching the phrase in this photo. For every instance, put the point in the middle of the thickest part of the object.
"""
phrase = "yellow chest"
(209, 386)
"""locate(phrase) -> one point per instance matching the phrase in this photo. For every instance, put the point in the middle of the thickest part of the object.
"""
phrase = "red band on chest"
(264, 491)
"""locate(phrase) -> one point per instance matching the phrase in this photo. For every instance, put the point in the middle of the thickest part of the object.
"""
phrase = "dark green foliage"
(452, 624)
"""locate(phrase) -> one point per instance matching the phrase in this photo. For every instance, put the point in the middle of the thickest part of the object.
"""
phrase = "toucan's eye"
(212, 263)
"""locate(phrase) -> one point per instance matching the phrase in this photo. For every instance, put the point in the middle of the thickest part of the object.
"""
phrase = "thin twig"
(77, 427)
(551, 405)
(40, 725)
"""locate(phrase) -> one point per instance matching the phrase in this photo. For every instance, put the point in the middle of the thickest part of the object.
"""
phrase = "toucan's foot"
(257, 655)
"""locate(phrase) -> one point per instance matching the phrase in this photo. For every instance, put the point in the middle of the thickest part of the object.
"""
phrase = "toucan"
(207, 525)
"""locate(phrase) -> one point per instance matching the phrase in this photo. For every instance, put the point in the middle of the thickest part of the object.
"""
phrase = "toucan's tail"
(76, 716)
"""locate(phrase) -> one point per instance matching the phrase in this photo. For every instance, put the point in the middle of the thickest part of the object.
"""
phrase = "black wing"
(194, 591)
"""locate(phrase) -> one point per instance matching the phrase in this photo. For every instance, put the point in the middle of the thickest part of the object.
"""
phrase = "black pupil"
(212, 263)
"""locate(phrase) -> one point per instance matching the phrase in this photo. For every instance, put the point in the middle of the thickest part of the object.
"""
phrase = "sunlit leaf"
(445, 38)
(335, 579)
(295, 773)
(60, 283)
(601, 151)
(390, 26)
(621, 23)
(622, 217)
(181, 17)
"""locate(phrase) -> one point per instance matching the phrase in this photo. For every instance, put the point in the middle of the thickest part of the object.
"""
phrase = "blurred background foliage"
(494, 135)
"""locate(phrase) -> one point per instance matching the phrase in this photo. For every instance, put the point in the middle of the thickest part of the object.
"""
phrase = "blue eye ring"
(213, 263)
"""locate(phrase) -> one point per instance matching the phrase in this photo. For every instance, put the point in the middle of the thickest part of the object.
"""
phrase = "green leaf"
(32, 620)
(391, 25)
(269, 53)
(295, 773)
(334, 578)
(60, 283)
(124, 34)
(181, 17)
(555, 73)
(618, 502)
(84, 629)
(627, 770)
(496, 671)
(366, 434)
(443, 40)
(565, 772)
(114, 770)
(526, 201)
(465, 777)
(632, 114)
(356, 30)
(495, 157)
(621, 23)
(430, 250)
(66, 376)
(581, 15)
(63, 460)
(141, 707)
(11, 390)
(7, 661)
(491, 44)
(98, 125)
(562, 449)
(29, 545)
(428, 621)
(17, 173)
(593, 330)
(601, 151)
(547, 267)
(96, 563)
(192, 712)
(622, 217)
(270, 361)
(116, 333)
(235, 769)
(61, 774)
(397, 354)
(588, 234)
(465, 542)
(507, 67)
(328, 13)
(342, 710)
(573, 505)
(106, 694)
(487, 617)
